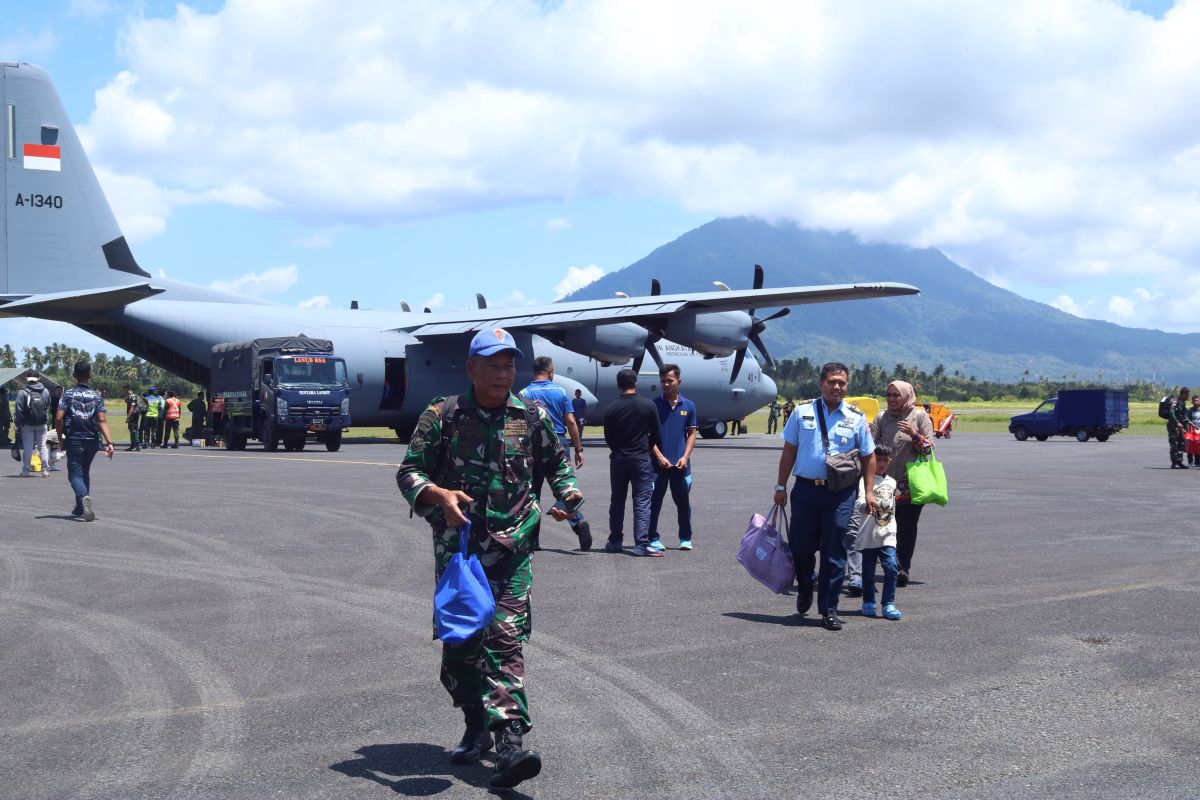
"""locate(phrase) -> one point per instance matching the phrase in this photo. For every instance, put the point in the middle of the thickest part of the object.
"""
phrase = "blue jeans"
(677, 481)
(819, 522)
(887, 559)
(80, 453)
(623, 473)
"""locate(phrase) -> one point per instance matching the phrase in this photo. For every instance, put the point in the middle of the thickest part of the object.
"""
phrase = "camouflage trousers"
(489, 669)
(1175, 442)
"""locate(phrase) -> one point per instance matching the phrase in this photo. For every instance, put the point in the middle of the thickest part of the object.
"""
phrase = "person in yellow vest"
(173, 407)
(154, 409)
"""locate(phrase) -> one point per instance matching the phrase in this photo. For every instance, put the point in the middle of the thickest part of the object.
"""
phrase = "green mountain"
(959, 320)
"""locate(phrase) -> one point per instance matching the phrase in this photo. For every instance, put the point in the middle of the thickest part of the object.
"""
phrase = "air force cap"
(489, 342)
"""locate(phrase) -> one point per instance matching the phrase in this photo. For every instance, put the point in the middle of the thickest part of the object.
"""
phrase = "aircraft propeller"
(653, 334)
(757, 327)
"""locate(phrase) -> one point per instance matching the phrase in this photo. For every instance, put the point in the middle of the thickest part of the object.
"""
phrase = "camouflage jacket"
(490, 457)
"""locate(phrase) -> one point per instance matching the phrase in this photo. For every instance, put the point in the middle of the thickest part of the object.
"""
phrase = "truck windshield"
(312, 370)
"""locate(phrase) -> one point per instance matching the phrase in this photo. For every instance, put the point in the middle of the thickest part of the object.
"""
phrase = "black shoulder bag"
(841, 469)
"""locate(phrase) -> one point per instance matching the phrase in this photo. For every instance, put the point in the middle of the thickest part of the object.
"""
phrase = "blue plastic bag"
(463, 604)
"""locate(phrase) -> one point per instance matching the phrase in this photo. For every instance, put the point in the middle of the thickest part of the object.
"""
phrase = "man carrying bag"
(820, 439)
(471, 458)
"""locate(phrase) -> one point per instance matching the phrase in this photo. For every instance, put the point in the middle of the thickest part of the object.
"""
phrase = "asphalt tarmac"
(256, 625)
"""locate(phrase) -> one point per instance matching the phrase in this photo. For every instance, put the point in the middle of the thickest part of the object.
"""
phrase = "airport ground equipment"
(1082, 413)
(281, 389)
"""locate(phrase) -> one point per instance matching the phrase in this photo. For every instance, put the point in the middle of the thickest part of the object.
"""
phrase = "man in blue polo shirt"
(672, 458)
(552, 397)
(820, 517)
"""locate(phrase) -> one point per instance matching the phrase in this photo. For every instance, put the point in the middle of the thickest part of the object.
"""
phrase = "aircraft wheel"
(1041, 437)
(1101, 437)
(1021, 433)
(1082, 435)
(333, 441)
(270, 439)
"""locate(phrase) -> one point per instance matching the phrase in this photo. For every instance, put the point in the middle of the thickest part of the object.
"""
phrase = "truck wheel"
(294, 444)
(1041, 437)
(1082, 435)
(1101, 437)
(241, 440)
(270, 439)
(230, 441)
(333, 441)
(1020, 433)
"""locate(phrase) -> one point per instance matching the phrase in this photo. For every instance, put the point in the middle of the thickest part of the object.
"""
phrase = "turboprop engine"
(613, 343)
(714, 333)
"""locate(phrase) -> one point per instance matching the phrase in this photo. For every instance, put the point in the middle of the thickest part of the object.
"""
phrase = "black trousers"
(907, 515)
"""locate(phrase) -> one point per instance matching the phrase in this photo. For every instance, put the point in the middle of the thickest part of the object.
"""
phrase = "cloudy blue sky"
(313, 152)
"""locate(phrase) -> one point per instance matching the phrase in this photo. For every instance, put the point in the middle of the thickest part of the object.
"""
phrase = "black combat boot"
(476, 740)
(513, 763)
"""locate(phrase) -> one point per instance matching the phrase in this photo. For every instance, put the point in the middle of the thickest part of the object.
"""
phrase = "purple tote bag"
(764, 551)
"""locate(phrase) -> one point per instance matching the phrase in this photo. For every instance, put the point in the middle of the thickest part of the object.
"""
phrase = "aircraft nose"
(767, 391)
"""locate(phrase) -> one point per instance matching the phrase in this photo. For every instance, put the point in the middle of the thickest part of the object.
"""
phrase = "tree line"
(799, 378)
(109, 373)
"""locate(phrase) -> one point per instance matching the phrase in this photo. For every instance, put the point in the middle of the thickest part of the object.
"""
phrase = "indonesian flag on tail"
(43, 156)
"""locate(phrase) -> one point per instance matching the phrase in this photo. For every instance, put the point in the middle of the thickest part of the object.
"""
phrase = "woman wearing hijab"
(906, 428)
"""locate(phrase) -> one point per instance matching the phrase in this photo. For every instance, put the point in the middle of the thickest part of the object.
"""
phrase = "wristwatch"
(779, 487)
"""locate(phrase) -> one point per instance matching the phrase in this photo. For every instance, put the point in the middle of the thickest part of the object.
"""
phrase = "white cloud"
(1042, 141)
(1122, 308)
(320, 301)
(1064, 302)
(435, 302)
(275, 280)
(556, 224)
(577, 278)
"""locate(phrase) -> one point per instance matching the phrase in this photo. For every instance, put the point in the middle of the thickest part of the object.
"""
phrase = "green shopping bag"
(927, 481)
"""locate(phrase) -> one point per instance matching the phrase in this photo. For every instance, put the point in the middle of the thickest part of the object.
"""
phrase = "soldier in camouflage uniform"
(477, 452)
(1177, 423)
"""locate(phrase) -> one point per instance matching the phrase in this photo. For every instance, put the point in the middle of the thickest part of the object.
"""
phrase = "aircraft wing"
(564, 316)
(77, 306)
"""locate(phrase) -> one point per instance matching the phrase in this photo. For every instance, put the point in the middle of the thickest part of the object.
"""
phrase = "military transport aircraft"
(64, 258)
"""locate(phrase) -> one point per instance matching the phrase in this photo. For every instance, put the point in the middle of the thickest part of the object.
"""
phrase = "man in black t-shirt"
(630, 431)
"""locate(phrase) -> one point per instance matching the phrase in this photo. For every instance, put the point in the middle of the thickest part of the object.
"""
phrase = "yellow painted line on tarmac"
(290, 459)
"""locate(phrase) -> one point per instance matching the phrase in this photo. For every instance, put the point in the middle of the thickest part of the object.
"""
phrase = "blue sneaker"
(868, 609)
(656, 545)
(891, 612)
(646, 551)
(685, 544)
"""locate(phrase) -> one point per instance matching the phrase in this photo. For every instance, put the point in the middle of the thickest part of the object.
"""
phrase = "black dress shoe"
(831, 621)
(804, 595)
(902, 578)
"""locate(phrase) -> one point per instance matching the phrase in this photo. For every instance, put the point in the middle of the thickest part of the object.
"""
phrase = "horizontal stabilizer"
(76, 307)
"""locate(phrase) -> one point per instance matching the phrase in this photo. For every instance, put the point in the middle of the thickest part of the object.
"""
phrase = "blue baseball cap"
(489, 342)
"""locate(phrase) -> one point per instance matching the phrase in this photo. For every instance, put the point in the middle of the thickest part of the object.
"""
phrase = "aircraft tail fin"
(57, 231)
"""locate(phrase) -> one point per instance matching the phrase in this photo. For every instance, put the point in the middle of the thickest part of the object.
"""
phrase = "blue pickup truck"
(1082, 413)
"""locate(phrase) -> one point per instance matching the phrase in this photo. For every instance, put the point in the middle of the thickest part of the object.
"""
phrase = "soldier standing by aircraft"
(773, 416)
(471, 457)
(1177, 423)
(135, 406)
(199, 416)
